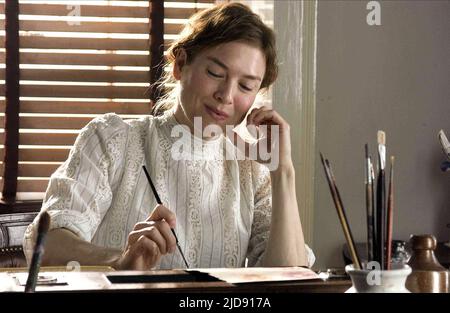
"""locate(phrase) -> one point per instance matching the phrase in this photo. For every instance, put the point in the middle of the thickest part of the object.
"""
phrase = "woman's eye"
(246, 88)
(214, 74)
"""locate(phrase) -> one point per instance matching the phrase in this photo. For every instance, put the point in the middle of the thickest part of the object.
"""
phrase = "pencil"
(390, 216)
(341, 212)
(158, 200)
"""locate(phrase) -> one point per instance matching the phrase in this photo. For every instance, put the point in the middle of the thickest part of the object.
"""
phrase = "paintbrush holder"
(379, 281)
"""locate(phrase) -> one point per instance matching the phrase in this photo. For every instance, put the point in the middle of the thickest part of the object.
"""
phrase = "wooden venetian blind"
(79, 59)
(2, 92)
(176, 15)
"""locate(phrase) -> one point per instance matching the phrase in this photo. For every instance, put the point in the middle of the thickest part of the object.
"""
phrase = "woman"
(226, 211)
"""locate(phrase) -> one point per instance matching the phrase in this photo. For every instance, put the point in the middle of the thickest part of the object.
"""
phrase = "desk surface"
(163, 281)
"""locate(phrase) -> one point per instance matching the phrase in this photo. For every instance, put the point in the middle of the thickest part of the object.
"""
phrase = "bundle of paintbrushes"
(379, 209)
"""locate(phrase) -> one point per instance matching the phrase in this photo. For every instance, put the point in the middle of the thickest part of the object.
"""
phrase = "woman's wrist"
(283, 169)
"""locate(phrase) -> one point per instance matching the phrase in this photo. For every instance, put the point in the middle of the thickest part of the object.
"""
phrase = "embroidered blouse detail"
(223, 207)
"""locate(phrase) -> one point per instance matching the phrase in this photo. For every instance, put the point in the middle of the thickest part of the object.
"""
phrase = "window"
(78, 59)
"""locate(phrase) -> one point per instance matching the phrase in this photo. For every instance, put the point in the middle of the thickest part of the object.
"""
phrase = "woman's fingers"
(153, 233)
(255, 112)
(160, 212)
(270, 117)
(157, 228)
(241, 145)
(143, 254)
(272, 133)
(169, 238)
(147, 242)
(263, 116)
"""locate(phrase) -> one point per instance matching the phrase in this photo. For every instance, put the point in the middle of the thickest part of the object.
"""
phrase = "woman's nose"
(224, 93)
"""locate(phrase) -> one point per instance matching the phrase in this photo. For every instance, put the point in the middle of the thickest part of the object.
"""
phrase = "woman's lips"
(216, 114)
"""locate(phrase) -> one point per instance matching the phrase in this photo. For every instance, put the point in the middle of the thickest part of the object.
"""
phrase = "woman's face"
(220, 84)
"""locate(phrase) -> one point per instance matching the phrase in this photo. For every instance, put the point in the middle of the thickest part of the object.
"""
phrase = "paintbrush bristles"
(381, 137)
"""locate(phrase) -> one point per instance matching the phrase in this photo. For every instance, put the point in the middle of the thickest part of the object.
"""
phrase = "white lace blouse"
(222, 206)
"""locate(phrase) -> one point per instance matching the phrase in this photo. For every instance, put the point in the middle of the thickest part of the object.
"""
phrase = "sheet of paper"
(259, 274)
(43, 279)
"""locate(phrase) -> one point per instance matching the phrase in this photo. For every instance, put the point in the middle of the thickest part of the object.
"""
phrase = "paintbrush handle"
(341, 214)
(369, 207)
(390, 216)
(155, 193)
(373, 222)
(158, 200)
(389, 240)
(347, 232)
(383, 220)
(179, 248)
(380, 219)
(35, 265)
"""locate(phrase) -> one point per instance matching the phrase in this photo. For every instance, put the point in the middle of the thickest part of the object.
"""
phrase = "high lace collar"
(180, 136)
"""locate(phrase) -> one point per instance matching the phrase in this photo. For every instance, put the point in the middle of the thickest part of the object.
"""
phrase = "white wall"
(394, 77)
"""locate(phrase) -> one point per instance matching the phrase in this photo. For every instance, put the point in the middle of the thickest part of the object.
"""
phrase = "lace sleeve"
(80, 191)
(261, 215)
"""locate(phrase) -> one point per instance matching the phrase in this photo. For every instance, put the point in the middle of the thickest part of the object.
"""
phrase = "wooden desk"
(171, 281)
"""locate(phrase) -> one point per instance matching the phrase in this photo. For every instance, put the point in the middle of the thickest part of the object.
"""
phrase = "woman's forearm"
(63, 246)
(286, 245)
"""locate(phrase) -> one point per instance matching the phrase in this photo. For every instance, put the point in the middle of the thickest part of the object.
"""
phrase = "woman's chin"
(213, 129)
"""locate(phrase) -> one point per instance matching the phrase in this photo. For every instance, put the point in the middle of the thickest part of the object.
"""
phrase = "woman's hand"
(273, 145)
(149, 240)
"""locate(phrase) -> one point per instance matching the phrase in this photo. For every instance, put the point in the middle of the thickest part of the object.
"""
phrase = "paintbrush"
(158, 200)
(369, 208)
(374, 233)
(390, 216)
(341, 212)
(43, 226)
(381, 198)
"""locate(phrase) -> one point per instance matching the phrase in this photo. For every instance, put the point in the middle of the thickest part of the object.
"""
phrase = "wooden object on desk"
(427, 274)
(68, 268)
(173, 281)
